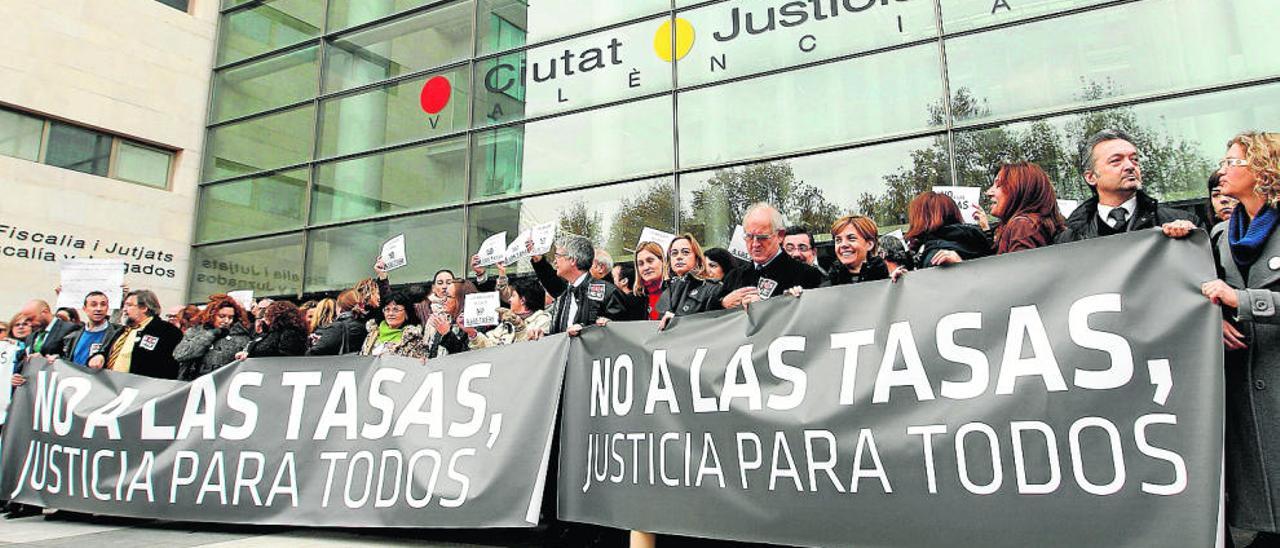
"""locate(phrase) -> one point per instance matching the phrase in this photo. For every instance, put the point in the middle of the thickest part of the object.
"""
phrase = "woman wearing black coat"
(687, 291)
(938, 234)
(857, 247)
(284, 334)
(345, 334)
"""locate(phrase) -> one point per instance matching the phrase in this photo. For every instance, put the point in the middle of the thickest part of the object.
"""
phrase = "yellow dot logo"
(683, 40)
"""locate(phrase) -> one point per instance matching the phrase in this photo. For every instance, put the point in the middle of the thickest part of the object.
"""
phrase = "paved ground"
(103, 532)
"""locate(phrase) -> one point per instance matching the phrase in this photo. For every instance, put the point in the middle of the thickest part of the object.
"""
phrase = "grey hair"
(604, 258)
(146, 299)
(775, 216)
(578, 249)
(1086, 150)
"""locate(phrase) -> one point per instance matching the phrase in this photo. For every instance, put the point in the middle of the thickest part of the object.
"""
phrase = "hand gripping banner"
(1066, 396)
(462, 441)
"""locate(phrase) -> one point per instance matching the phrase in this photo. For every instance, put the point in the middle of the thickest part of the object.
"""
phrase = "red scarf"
(653, 290)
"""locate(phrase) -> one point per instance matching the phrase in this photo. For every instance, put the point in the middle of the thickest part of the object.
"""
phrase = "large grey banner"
(462, 441)
(1067, 396)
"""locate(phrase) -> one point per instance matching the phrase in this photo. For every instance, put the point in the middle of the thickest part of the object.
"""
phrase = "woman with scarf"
(398, 333)
(651, 275)
(1248, 290)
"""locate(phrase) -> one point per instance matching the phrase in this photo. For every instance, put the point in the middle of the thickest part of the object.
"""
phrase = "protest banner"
(393, 255)
(341, 441)
(993, 403)
(79, 277)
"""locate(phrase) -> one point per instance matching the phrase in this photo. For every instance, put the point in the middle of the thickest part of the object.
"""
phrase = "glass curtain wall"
(336, 125)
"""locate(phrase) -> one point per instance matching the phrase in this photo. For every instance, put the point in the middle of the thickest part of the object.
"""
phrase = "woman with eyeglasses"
(399, 333)
(12, 345)
(447, 335)
(1247, 252)
(688, 291)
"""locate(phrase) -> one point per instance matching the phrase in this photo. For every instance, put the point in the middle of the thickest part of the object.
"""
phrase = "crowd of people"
(579, 286)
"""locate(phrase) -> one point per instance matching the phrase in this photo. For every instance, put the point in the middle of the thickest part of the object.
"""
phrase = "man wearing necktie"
(47, 330)
(771, 271)
(1111, 165)
(581, 300)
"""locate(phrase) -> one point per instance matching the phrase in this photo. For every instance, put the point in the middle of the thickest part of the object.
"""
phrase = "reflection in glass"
(269, 266)
(252, 206)
(259, 144)
(423, 41)
(505, 24)
(628, 140)
(20, 135)
(813, 191)
(612, 216)
(339, 257)
(423, 107)
(831, 104)
(400, 180)
(264, 84)
(1198, 44)
(582, 72)
(77, 148)
(961, 15)
(142, 164)
(272, 25)
(347, 13)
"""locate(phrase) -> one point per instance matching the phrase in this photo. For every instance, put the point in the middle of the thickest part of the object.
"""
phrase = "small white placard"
(393, 256)
(1067, 206)
(544, 236)
(966, 197)
(656, 236)
(243, 297)
(79, 277)
(480, 310)
(738, 244)
(493, 250)
(518, 249)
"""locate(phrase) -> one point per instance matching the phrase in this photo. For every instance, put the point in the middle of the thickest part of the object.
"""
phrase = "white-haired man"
(770, 271)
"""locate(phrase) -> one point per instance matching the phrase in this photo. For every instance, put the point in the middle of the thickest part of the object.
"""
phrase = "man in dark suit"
(145, 345)
(770, 272)
(47, 331)
(581, 300)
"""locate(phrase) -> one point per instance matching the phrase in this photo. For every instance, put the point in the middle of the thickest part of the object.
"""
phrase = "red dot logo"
(435, 95)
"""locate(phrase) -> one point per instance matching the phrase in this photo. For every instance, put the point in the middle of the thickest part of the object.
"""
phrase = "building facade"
(102, 108)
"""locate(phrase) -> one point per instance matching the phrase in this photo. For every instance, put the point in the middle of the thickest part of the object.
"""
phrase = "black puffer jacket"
(343, 336)
(686, 295)
(279, 341)
(968, 241)
(873, 268)
(204, 349)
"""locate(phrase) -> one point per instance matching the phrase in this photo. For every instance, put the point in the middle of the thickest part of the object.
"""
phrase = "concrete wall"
(136, 68)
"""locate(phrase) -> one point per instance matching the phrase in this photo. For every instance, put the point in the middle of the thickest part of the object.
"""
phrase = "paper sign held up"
(493, 250)
(656, 236)
(393, 255)
(967, 197)
(79, 277)
(480, 309)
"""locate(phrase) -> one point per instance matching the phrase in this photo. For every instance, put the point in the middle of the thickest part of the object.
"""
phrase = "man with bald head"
(770, 272)
(47, 331)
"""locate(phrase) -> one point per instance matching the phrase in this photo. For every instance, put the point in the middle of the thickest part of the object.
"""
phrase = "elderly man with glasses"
(771, 271)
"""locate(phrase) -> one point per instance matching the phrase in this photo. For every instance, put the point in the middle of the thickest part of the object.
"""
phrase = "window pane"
(628, 140)
(270, 26)
(269, 266)
(180, 5)
(272, 141)
(78, 148)
(612, 216)
(347, 13)
(401, 180)
(960, 15)
(431, 39)
(813, 191)
(1180, 141)
(858, 99)
(1198, 44)
(339, 257)
(415, 109)
(20, 135)
(582, 72)
(252, 206)
(505, 24)
(141, 164)
(732, 39)
(263, 85)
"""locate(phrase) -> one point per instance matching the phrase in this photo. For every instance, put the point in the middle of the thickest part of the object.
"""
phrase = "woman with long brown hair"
(937, 233)
(1027, 206)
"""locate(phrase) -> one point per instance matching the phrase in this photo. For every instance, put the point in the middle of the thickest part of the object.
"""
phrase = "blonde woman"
(651, 276)
(688, 290)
